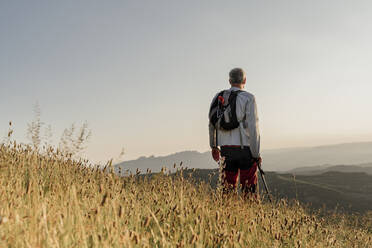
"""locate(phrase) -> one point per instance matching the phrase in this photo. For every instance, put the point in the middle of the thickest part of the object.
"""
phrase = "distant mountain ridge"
(317, 170)
(187, 159)
(282, 160)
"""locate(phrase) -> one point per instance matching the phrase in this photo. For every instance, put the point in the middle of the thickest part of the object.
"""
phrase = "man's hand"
(216, 154)
(257, 160)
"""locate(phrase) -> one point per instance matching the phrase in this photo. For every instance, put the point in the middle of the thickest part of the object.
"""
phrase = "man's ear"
(244, 81)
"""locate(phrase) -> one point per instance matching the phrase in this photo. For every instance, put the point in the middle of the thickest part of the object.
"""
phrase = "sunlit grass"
(50, 200)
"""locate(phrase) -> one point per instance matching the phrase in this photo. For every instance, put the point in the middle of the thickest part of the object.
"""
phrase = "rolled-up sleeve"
(254, 133)
(212, 136)
(212, 129)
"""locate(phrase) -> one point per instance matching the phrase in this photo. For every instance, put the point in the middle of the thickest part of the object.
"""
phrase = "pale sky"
(143, 73)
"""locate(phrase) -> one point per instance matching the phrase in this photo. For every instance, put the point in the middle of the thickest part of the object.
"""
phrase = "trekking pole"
(262, 173)
(220, 171)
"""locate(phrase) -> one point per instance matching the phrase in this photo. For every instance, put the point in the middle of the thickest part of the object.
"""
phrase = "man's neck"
(239, 86)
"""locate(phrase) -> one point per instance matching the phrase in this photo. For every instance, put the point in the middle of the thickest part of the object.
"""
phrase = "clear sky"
(142, 73)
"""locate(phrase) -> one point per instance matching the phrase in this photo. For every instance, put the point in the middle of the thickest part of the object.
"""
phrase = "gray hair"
(237, 76)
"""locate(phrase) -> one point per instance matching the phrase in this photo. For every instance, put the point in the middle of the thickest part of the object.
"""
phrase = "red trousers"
(248, 179)
(239, 159)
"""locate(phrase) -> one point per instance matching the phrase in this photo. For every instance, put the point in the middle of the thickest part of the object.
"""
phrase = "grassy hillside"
(50, 200)
(348, 192)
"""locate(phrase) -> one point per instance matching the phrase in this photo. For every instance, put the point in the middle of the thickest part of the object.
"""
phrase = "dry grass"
(50, 200)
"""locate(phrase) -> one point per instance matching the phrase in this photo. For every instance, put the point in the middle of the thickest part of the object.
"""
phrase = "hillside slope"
(52, 201)
(349, 192)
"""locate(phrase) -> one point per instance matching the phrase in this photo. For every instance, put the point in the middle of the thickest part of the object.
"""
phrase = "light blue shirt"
(248, 133)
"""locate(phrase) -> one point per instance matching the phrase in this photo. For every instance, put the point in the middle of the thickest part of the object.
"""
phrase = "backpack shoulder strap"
(213, 115)
(215, 102)
(233, 95)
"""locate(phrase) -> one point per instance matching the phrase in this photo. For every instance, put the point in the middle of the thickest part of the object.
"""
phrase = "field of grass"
(50, 200)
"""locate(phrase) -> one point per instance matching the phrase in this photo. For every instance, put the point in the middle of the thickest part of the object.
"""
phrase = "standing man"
(234, 133)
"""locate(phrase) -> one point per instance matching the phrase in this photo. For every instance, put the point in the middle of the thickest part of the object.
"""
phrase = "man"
(239, 146)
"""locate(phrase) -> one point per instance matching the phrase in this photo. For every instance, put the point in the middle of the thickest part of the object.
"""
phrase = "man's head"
(237, 77)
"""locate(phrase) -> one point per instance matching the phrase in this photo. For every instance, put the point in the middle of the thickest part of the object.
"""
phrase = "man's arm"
(213, 138)
(254, 133)
(212, 129)
(213, 142)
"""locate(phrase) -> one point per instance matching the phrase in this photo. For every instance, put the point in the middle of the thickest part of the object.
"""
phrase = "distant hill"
(190, 159)
(316, 170)
(273, 160)
(347, 154)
